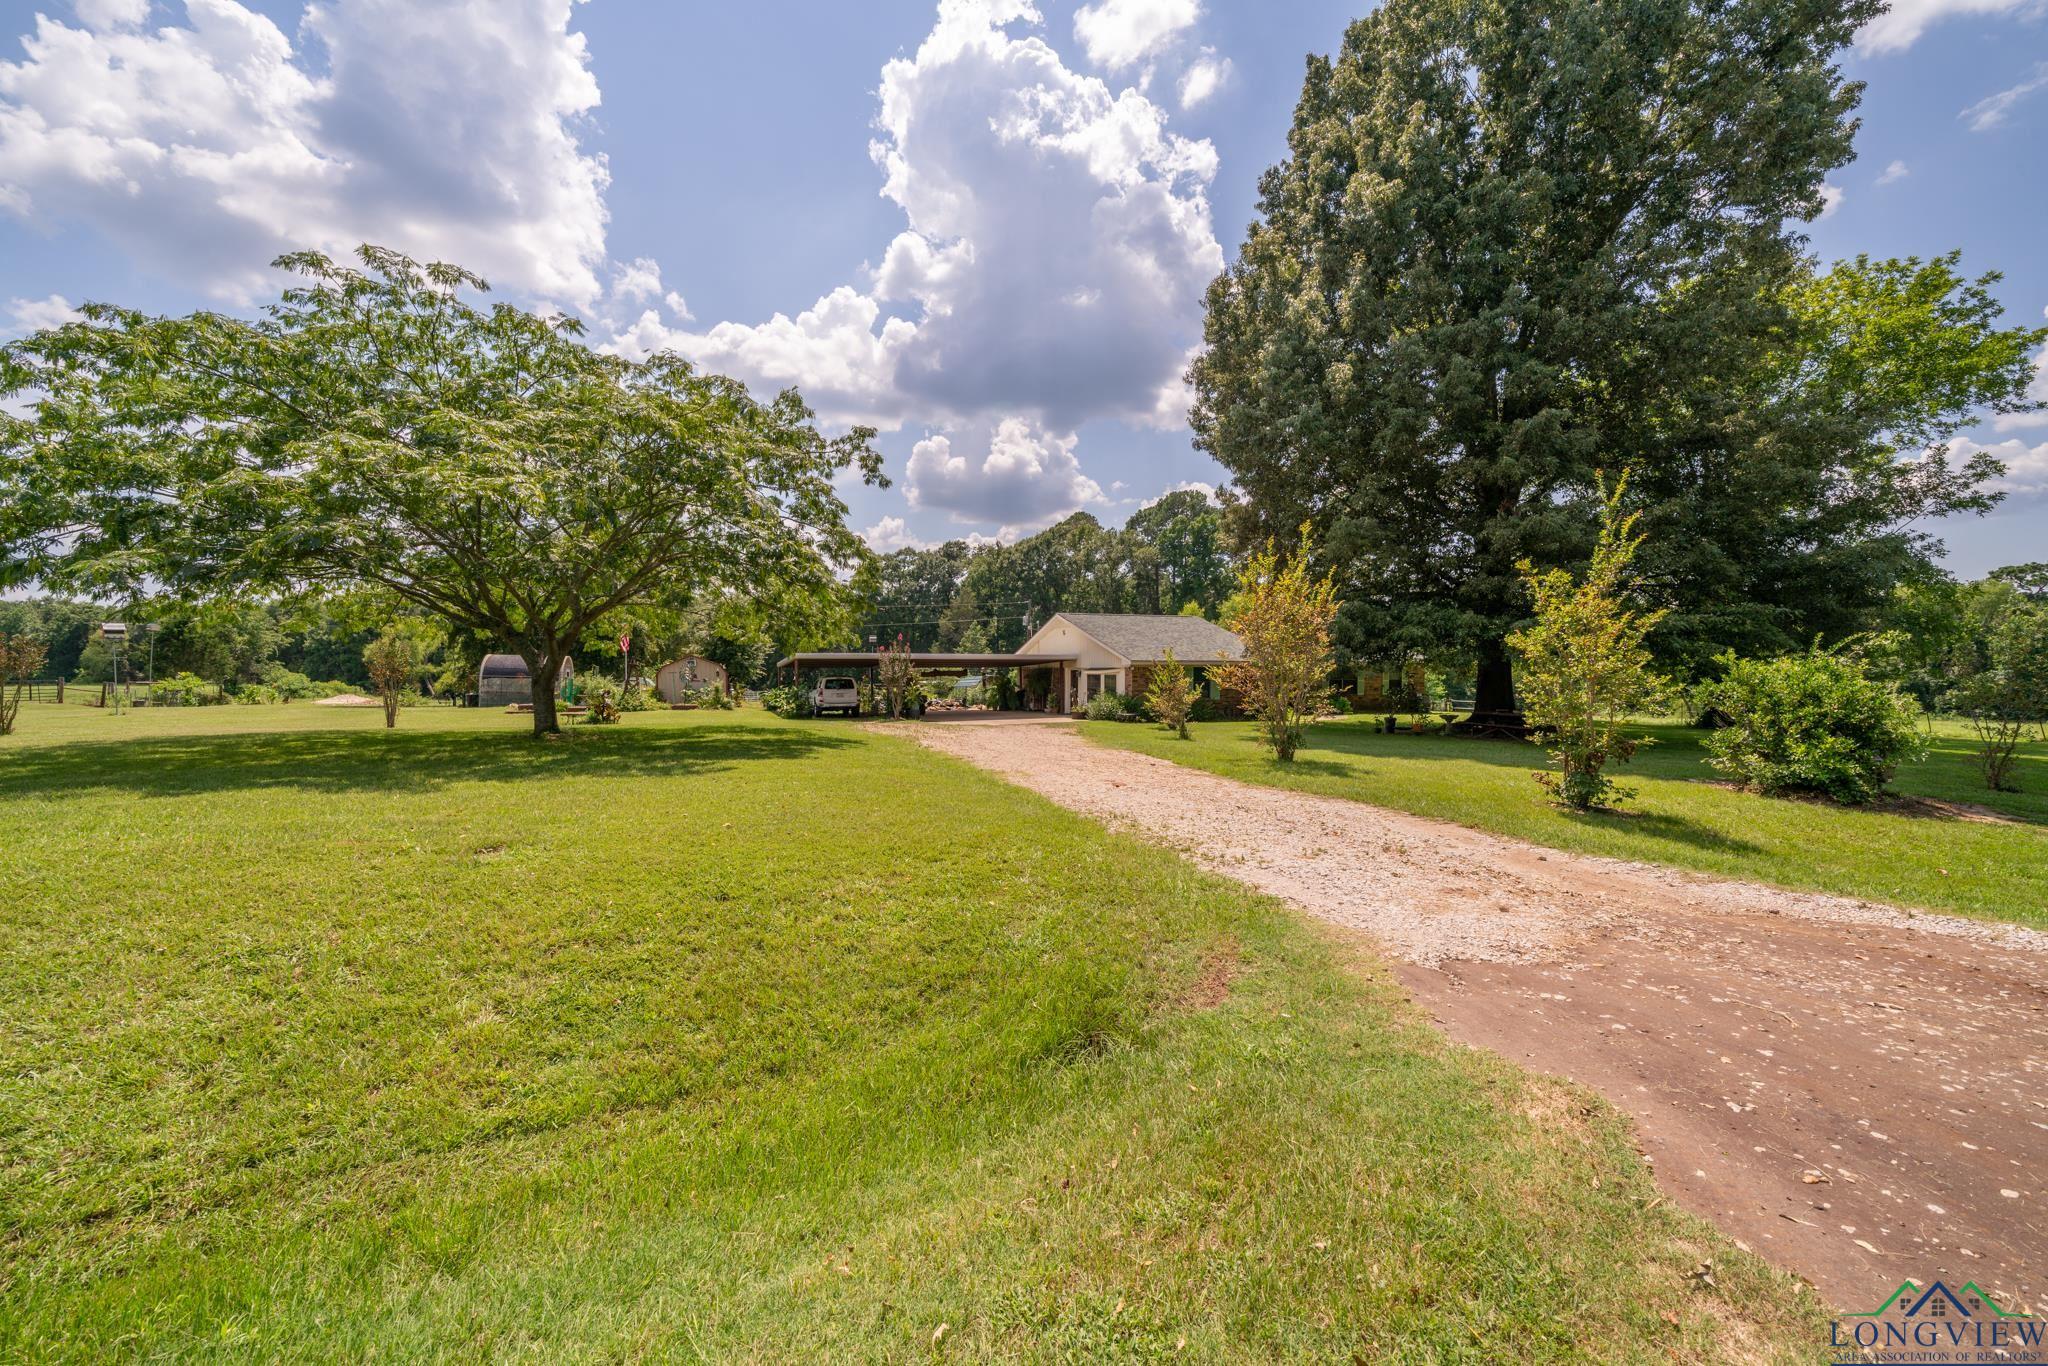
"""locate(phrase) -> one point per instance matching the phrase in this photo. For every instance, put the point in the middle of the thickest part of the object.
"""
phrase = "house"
(1102, 652)
(675, 680)
(1073, 657)
(504, 681)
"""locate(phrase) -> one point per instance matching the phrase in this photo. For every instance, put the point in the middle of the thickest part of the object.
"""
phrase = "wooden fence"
(102, 694)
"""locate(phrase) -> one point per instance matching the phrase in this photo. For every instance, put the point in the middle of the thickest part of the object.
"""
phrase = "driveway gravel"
(1856, 1091)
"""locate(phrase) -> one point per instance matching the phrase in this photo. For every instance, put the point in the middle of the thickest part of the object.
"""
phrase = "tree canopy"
(1167, 557)
(377, 428)
(1517, 240)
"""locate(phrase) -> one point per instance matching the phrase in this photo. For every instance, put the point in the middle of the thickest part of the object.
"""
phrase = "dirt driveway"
(1858, 1093)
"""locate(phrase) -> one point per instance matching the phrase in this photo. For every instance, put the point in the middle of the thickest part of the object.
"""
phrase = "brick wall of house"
(1231, 701)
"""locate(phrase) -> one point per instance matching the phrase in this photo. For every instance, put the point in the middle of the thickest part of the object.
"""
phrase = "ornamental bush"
(1113, 706)
(789, 700)
(184, 690)
(1811, 722)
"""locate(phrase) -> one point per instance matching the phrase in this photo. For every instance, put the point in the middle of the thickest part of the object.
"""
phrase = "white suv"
(836, 694)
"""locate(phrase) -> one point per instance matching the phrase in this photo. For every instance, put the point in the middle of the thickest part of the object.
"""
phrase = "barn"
(675, 680)
(504, 681)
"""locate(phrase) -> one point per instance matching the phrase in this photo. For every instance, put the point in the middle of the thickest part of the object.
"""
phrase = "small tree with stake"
(1283, 615)
(394, 660)
(380, 429)
(1172, 695)
(1583, 664)
(21, 657)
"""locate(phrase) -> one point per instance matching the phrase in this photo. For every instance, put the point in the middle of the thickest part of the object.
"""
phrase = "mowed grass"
(716, 1036)
(1681, 816)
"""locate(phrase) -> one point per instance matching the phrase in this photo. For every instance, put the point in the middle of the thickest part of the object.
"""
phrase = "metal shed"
(504, 680)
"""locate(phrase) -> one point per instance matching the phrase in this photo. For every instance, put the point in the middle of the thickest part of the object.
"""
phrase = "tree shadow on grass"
(1663, 826)
(391, 761)
(1657, 825)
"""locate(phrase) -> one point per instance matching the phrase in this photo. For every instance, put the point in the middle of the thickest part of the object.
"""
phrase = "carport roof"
(855, 659)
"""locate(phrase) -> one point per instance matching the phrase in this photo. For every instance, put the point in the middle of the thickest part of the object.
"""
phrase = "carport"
(1051, 671)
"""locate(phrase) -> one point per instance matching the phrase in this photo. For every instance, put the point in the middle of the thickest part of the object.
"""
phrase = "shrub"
(710, 699)
(789, 700)
(604, 706)
(289, 685)
(1811, 722)
(183, 690)
(1583, 665)
(1113, 706)
(257, 695)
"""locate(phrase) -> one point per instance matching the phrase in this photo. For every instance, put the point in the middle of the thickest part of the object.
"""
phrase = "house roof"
(504, 666)
(1146, 639)
(929, 659)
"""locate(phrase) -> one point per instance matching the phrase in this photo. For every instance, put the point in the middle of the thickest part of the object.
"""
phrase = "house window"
(1096, 682)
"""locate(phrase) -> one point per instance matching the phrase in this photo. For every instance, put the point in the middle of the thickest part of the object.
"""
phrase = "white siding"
(1058, 637)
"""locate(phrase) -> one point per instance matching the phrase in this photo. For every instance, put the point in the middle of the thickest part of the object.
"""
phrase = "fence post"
(60, 690)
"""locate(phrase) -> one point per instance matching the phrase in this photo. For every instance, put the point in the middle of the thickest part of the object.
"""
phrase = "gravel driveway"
(1857, 1092)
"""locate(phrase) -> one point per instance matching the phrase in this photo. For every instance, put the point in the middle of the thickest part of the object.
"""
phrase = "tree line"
(1169, 557)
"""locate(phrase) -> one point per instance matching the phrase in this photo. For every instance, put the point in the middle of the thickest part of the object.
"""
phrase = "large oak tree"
(1517, 241)
(381, 429)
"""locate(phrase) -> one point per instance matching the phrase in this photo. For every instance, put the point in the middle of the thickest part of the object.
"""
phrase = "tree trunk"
(544, 669)
(1494, 689)
(391, 709)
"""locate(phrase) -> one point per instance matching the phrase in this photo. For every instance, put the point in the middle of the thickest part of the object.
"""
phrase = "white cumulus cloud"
(893, 533)
(1121, 33)
(1897, 170)
(2026, 467)
(1901, 25)
(35, 315)
(1017, 474)
(1057, 242)
(1830, 200)
(207, 146)
(1206, 75)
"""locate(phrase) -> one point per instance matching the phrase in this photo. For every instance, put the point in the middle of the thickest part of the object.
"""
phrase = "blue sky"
(981, 226)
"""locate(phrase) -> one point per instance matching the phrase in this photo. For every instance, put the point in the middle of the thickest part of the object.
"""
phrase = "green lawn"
(1996, 872)
(719, 1036)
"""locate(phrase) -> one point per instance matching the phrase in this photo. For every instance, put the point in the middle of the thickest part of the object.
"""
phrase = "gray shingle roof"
(1146, 639)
